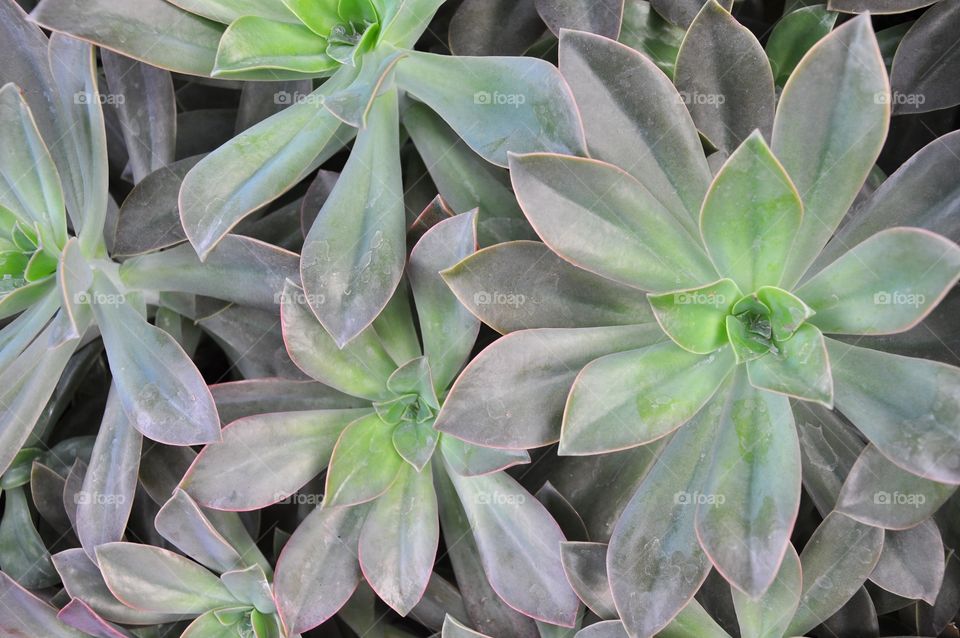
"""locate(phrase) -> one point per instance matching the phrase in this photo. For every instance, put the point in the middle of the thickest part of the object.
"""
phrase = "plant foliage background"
(520, 319)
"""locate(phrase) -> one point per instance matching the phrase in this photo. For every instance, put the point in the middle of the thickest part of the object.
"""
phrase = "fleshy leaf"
(769, 615)
(496, 104)
(415, 442)
(33, 616)
(909, 408)
(399, 540)
(257, 166)
(360, 369)
(753, 492)
(585, 565)
(724, 78)
(924, 62)
(184, 524)
(635, 397)
(154, 31)
(835, 562)
(449, 330)
(660, 147)
(105, 502)
(793, 35)
(751, 216)
(886, 284)
(154, 579)
(318, 569)
(251, 43)
(265, 458)
(353, 256)
(523, 284)
(865, 495)
(160, 388)
(831, 122)
(787, 312)
(800, 368)
(467, 459)
(912, 562)
(635, 240)
(364, 463)
(654, 561)
(695, 319)
(512, 394)
(519, 546)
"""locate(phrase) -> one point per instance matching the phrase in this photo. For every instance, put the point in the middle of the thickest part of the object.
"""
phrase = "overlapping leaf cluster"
(547, 318)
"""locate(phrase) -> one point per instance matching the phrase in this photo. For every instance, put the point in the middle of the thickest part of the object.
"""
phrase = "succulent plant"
(518, 319)
(735, 325)
(379, 515)
(353, 255)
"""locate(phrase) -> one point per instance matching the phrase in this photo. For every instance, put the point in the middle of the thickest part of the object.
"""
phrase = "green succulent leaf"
(239, 269)
(360, 369)
(631, 398)
(265, 458)
(585, 565)
(252, 43)
(769, 615)
(519, 547)
(158, 580)
(211, 625)
(258, 165)
(82, 144)
(467, 459)
(924, 60)
(835, 562)
(683, 12)
(635, 240)
(919, 194)
(402, 23)
(110, 483)
(29, 183)
(353, 256)
(696, 319)
(448, 329)
(834, 106)
(250, 585)
(654, 561)
(659, 146)
(36, 618)
(751, 216)
(364, 463)
(399, 540)
(452, 628)
(912, 562)
(318, 570)
(155, 31)
(320, 17)
(523, 284)
(787, 312)
(908, 408)
(800, 368)
(885, 284)
(693, 621)
(496, 104)
(415, 442)
(226, 11)
(866, 497)
(512, 394)
(724, 78)
(160, 388)
(186, 526)
(753, 493)
(395, 329)
(794, 35)
(83, 580)
(23, 552)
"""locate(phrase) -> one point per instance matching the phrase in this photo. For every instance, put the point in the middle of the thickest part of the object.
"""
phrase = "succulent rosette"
(391, 478)
(723, 309)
